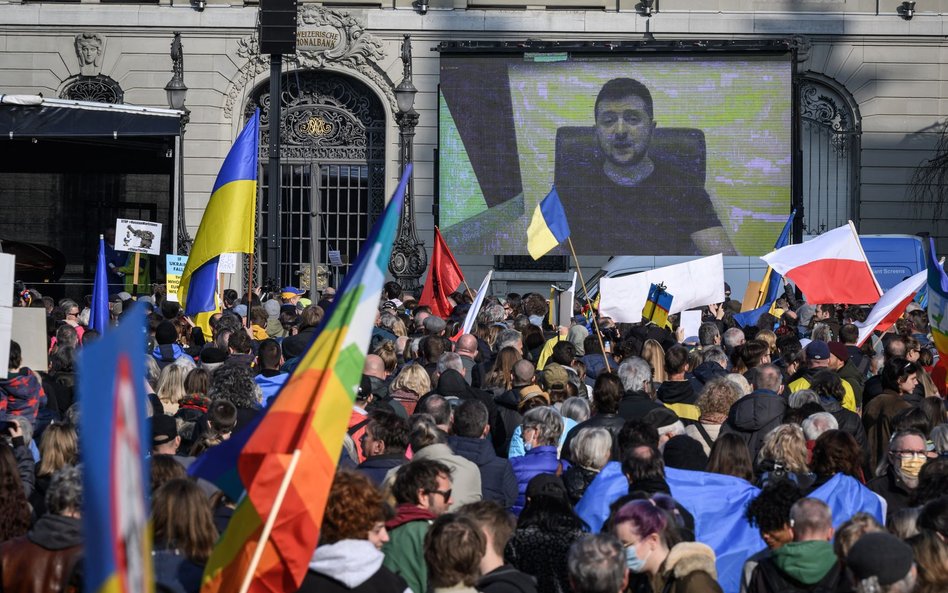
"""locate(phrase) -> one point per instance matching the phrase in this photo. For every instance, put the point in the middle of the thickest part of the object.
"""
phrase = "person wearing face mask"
(653, 547)
(349, 555)
(898, 472)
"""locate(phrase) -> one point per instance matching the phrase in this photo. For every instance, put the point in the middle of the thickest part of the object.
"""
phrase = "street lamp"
(177, 92)
(409, 258)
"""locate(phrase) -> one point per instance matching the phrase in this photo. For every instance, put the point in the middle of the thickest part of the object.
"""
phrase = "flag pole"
(586, 296)
(249, 288)
(271, 519)
(872, 274)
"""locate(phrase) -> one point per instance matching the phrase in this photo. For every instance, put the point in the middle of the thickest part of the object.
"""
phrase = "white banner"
(566, 303)
(227, 264)
(692, 284)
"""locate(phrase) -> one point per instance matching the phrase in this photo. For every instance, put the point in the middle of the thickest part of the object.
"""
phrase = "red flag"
(444, 277)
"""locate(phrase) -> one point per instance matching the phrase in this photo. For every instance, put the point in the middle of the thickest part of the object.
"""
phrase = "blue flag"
(99, 314)
(114, 440)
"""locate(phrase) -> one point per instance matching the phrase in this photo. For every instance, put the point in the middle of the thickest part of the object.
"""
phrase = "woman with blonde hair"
(410, 384)
(58, 448)
(784, 456)
(171, 387)
(653, 352)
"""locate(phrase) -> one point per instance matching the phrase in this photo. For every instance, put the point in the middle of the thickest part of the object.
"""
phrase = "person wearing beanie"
(273, 327)
(167, 349)
(683, 452)
(842, 364)
(881, 562)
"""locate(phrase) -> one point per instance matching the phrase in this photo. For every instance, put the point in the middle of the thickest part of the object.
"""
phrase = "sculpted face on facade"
(89, 50)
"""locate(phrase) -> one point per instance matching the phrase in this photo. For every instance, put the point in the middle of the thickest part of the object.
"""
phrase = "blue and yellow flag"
(657, 305)
(114, 441)
(770, 286)
(228, 222)
(548, 227)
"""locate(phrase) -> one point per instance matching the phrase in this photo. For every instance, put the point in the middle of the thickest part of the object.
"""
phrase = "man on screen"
(620, 200)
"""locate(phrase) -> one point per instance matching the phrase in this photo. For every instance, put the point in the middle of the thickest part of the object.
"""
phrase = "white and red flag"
(831, 268)
(891, 306)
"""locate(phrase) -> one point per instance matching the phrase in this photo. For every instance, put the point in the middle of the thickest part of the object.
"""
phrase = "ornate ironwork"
(101, 89)
(409, 258)
(821, 106)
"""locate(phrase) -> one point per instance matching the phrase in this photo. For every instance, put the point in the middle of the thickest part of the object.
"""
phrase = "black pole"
(274, 257)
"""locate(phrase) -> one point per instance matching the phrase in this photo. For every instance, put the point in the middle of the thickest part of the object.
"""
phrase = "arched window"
(830, 139)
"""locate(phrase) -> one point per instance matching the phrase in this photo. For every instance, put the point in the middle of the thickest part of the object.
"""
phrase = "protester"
(546, 529)
(51, 551)
(58, 448)
(349, 555)
(590, 451)
(383, 443)
(898, 380)
(753, 416)
(422, 491)
(542, 428)
(653, 546)
(184, 535)
(471, 430)
(429, 442)
(897, 475)
(597, 565)
(882, 563)
(454, 547)
(14, 509)
(714, 403)
(498, 526)
(730, 457)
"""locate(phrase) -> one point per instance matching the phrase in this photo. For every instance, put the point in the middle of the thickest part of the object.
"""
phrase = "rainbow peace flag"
(938, 314)
(114, 439)
(289, 461)
(228, 223)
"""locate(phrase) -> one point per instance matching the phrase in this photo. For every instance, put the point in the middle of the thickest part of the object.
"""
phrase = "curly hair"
(717, 397)
(14, 508)
(770, 511)
(786, 445)
(236, 385)
(835, 452)
(182, 519)
(354, 506)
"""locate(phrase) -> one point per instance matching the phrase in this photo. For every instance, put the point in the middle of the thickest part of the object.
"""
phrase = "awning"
(38, 117)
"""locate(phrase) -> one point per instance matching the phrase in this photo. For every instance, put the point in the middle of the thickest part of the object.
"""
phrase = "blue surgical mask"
(632, 560)
(527, 446)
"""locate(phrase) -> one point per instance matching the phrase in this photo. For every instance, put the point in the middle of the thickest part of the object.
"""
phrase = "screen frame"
(772, 48)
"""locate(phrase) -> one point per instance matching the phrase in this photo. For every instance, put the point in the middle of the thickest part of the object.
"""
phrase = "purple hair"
(646, 516)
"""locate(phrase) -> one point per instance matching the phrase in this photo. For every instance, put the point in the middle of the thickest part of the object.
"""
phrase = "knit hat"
(166, 333)
(838, 349)
(555, 376)
(880, 555)
(272, 308)
(546, 485)
(164, 429)
(817, 350)
(660, 418)
(683, 452)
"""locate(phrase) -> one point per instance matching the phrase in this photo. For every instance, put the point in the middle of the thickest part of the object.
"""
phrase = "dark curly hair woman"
(836, 452)
(14, 508)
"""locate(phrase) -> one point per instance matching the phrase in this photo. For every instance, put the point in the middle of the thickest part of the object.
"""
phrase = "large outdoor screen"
(675, 154)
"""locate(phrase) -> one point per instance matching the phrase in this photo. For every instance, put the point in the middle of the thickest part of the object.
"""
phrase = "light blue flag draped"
(846, 497)
(99, 314)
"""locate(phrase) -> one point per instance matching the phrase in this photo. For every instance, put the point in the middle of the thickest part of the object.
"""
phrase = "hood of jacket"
(807, 562)
(479, 451)
(167, 352)
(349, 561)
(595, 364)
(706, 371)
(452, 384)
(755, 411)
(688, 557)
(55, 532)
(677, 392)
(514, 580)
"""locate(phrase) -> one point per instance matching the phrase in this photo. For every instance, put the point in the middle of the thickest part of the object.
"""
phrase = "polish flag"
(891, 306)
(831, 268)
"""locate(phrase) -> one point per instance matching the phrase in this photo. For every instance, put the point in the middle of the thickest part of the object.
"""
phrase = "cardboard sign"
(691, 322)
(29, 331)
(138, 236)
(227, 264)
(174, 268)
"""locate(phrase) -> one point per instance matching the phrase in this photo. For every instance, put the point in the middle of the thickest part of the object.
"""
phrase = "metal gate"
(831, 145)
(332, 169)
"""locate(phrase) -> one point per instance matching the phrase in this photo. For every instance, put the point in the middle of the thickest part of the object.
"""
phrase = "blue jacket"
(270, 385)
(376, 468)
(538, 460)
(498, 482)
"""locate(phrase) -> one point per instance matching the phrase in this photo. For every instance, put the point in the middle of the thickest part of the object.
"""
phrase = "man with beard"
(665, 200)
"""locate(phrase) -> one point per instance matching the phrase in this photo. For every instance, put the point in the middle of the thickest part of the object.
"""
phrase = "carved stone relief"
(90, 84)
(326, 38)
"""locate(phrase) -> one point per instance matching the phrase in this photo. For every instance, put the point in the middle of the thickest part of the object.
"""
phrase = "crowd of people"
(467, 455)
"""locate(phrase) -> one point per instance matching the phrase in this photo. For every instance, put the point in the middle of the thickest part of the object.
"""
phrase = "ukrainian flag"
(548, 228)
(771, 283)
(228, 222)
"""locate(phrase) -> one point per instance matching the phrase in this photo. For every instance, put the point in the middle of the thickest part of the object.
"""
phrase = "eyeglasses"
(910, 454)
(445, 493)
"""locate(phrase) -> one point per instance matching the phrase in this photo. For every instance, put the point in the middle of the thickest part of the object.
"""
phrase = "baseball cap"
(555, 376)
(164, 429)
(817, 350)
(290, 291)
